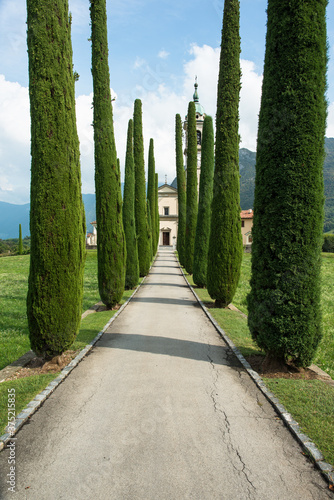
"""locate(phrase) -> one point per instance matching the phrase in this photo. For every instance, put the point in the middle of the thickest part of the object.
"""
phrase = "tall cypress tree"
(204, 205)
(151, 192)
(57, 224)
(284, 302)
(181, 191)
(191, 194)
(225, 244)
(132, 265)
(140, 191)
(110, 235)
(20, 240)
(150, 230)
(157, 216)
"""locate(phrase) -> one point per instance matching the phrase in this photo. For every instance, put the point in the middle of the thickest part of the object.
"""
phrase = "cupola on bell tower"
(200, 115)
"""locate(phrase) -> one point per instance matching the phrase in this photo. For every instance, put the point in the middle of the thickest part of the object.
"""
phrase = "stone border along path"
(33, 406)
(21, 362)
(307, 445)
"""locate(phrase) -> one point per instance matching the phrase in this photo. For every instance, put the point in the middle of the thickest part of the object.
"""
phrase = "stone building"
(167, 193)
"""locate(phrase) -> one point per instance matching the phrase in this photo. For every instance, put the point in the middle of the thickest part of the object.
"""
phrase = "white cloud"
(139, 62)
(163, 54)
(160, 105)
(14, 112)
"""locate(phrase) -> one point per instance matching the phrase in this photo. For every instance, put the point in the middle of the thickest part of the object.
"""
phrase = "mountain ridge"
(12, 215)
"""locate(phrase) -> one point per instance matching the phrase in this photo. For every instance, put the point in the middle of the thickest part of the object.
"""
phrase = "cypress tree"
(191, 193)
(111, 246)
(150, 230)
(132, 265)
(57, 221)
(204, 205)
(151, 192)
(20, 240)
(157, 216)
(284, 302)
(225, 243)
(181, 191)
(140, 195)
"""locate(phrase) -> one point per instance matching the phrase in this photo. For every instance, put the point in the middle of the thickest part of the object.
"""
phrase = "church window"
(166, 210)
(199, 138)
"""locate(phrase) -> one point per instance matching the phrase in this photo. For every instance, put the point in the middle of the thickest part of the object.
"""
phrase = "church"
(167, 193)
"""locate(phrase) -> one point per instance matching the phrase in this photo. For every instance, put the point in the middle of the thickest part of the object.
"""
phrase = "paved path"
(160, 410)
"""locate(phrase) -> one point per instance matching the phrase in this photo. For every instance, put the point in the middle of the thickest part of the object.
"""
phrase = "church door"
(165, 239)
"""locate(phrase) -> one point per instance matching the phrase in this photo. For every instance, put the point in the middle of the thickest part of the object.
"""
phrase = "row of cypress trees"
(57, 220)
(284, 301)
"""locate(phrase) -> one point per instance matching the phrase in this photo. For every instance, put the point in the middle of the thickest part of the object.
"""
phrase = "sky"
(156, 48)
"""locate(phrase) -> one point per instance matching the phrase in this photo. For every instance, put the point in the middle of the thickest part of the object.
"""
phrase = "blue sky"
(155, 50)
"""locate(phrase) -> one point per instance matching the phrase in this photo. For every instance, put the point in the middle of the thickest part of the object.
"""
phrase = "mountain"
(10, 218)
(13, 215)
(247, 161)
(329, 185)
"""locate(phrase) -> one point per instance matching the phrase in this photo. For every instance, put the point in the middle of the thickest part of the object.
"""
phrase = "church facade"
(167, 193)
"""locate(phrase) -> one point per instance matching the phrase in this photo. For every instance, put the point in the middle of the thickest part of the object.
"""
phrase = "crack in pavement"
(226, 433)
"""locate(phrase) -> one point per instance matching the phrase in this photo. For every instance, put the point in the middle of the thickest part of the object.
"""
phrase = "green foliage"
(56, 210)
(10, 246)
(157, 217)
(204, 204)
(20, 240)
(111, 247)
(151, 195)
(144, 255)
(284, 302)
(149, 229)
(181, 191)
(225, 246)
(129, 223)
(328, 244)
(191, 192)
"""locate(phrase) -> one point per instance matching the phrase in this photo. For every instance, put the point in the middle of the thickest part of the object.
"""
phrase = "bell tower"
(200, 115)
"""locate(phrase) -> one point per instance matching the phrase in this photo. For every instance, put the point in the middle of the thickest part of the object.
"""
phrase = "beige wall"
(248, 224)
(168, 223)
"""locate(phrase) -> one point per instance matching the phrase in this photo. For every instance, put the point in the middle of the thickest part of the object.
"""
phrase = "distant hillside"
(247, 161)
(329, 185)
(13, 215)
(10, 218)
(247, 178)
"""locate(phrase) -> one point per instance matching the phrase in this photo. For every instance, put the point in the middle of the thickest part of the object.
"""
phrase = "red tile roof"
(247, 214)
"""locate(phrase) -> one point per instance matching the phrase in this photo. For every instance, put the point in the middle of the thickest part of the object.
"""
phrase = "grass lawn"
(311, 402)
(13, 292)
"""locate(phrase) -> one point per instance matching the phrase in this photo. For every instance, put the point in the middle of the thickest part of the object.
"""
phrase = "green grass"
(324, 357)
(325, 353)
(13, 291)
(310, 402)
(25, 390)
